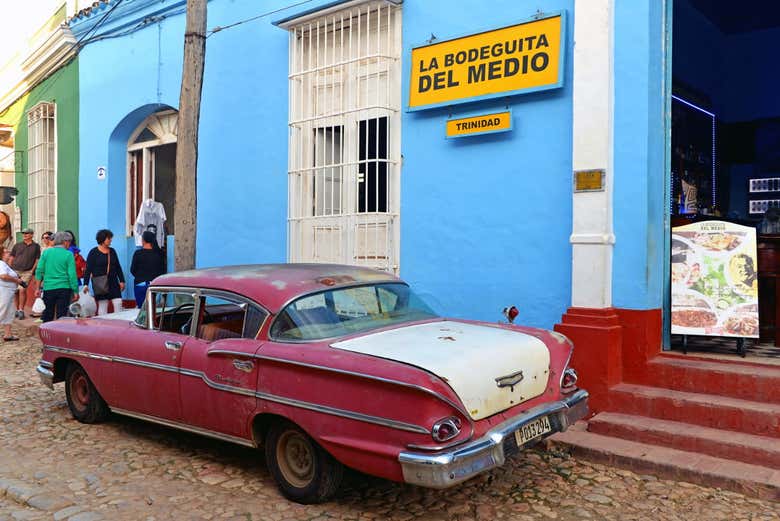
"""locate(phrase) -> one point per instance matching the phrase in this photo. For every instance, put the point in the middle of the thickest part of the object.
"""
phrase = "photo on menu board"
(714, 280)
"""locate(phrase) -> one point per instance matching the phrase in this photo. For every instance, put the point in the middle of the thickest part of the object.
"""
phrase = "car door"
(146, 368)
(218, 368)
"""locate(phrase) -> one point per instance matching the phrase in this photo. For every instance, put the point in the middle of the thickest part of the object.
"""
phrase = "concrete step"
(738, 379)
(747, 448)
(752, 480)
(706, 410)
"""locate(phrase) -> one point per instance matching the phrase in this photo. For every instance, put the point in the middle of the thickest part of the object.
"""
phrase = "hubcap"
(295, 455)
(79, 390)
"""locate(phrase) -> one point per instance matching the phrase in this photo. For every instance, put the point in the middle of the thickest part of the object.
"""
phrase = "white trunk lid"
(472, 359)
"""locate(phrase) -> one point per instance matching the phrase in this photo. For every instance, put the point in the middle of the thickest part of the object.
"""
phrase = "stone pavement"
(52, 467)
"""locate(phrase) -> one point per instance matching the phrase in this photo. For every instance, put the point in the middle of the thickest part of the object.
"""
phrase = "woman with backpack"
(81, 264)
(105, 273)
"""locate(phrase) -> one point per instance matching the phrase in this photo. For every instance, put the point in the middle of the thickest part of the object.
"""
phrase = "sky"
(21, 18)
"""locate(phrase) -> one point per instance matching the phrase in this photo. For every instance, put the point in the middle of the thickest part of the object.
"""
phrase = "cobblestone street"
(52, 467)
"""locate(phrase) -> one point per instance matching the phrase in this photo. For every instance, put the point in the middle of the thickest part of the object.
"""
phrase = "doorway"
(724, 180)
(152, 169)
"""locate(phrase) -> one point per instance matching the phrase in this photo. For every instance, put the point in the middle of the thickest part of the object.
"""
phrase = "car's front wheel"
(84, 401)
(304, 471)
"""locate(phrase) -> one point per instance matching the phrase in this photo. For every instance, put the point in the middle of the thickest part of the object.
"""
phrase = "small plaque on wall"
(589, 180)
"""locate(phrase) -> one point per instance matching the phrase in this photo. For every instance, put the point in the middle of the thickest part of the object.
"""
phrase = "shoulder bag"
(100, 283)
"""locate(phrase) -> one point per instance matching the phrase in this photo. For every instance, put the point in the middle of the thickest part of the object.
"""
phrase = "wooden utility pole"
(186, 214)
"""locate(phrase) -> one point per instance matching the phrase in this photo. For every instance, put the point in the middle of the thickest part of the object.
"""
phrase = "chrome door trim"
(185, 427)
(76, 352)
(377, 420)
(333, 411)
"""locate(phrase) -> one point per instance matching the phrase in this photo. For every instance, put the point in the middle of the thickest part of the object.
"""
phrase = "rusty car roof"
(274, 285)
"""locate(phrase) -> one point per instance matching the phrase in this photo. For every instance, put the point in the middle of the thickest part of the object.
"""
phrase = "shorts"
(26, 276)
(7, 308)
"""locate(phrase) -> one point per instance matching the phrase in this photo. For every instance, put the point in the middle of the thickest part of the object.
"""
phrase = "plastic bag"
(38, 306)
(85, 306)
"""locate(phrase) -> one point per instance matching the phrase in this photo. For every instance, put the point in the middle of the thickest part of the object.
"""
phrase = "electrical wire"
(98, 23)
(218, 28)
(78, 45)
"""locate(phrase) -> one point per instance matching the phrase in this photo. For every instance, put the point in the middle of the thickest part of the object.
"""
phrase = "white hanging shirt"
(151, 217)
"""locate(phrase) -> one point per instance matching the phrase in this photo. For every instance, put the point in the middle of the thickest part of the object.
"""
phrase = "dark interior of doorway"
(165, 182)
(725, 139)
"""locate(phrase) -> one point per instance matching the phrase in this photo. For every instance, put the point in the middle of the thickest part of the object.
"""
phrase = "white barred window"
(42, 168)
(345, 133)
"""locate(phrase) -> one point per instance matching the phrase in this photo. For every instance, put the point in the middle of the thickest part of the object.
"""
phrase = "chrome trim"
(325, 409)
(149, 365)
(367, 377)
(265, 396)
(230, 353)
(573, 386)
(185, 427)
(243, 365)
(445, 469)
(510, 380)
(46, 376)
(76, 352)
(452, 421)
(568, 360)
(46, 364)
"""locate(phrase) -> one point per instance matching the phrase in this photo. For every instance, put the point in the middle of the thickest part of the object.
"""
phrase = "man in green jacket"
(57, 271)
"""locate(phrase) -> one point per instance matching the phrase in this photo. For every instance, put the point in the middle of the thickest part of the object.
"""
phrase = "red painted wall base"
(609, 344)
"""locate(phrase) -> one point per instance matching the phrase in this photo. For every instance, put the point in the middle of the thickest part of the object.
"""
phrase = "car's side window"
(172, 311)
(223, 317)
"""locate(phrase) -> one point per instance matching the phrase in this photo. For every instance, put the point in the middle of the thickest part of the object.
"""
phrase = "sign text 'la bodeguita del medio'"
(519, 58)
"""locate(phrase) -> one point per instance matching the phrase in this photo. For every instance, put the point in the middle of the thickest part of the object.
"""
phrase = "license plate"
(533, 430)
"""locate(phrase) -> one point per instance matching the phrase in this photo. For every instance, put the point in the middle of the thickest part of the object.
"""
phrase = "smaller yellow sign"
(588, 180)
(482, 124)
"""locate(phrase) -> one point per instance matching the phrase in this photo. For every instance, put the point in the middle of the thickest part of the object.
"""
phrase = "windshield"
(345, 311)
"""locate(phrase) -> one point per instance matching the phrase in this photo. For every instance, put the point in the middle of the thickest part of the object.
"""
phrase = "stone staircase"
(712, 422)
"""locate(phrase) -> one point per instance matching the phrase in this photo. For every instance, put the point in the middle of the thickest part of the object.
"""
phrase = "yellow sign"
(588, 180)
(519, 58)
(482, 124)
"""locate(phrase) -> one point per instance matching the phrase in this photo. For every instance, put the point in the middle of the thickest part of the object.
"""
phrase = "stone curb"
(36, 497)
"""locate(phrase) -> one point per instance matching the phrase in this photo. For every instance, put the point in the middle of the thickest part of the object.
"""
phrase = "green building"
(39, 131)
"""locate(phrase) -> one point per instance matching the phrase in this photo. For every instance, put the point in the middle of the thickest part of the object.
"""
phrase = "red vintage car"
(324, 366)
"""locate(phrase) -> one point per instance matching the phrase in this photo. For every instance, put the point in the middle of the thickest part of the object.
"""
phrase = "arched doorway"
(151, 163)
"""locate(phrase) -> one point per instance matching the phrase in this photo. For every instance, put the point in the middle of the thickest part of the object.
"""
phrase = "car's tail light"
(446, 429)
(569, 380)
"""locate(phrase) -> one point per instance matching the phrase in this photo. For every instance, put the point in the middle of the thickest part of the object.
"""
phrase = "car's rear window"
(344, 311)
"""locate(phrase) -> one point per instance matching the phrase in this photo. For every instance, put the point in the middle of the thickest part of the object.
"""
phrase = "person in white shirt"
(9, 281)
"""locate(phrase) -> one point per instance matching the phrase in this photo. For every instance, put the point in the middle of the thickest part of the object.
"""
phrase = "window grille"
(42, 172)
(344, 137)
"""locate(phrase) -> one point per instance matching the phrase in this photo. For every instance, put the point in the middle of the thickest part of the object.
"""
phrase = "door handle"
(173, 346)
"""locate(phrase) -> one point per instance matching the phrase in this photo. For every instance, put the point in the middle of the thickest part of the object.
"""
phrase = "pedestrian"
(46, 241)
(148, 263)
(81, 264)
(57, 273)
(9, 281)
(24, 260)
(105, 272)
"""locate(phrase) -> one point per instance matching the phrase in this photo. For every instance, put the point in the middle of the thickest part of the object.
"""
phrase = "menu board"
(714, 280)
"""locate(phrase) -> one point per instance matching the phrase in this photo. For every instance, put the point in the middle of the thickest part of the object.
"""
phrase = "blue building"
(324, 137)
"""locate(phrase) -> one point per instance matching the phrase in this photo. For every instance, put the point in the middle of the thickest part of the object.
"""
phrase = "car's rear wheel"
(84, 401)
(303, 470)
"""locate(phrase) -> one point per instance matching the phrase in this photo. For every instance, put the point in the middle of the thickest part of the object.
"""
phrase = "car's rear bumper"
(46, 374)
(447, 468)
